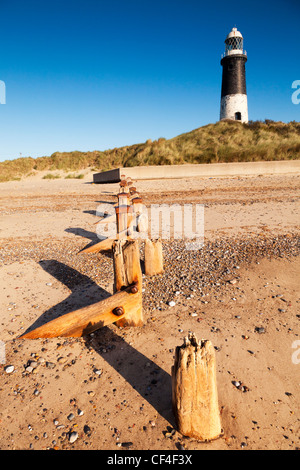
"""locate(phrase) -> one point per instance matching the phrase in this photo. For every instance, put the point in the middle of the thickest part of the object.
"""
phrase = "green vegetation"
(51, 176)
(225, 141)
(73, 176)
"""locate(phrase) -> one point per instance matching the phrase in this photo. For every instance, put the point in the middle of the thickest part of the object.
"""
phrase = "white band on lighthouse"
(234, 107)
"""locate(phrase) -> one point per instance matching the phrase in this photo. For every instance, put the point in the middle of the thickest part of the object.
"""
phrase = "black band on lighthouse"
(234, 75)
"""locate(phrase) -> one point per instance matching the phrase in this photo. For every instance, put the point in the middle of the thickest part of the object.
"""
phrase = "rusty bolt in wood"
(134, 289)
(118, 311)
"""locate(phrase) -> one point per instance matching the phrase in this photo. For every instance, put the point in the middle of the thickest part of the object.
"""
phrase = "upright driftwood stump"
(194, 390)
(153, 257)
(127, 272)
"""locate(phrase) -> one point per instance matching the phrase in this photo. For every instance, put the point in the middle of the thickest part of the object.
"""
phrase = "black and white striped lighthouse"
(234, 103)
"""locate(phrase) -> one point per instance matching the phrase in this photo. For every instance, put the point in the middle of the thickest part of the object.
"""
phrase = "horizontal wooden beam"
(104, 245)
(88, 319)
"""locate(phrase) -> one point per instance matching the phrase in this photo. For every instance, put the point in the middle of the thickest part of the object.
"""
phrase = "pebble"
(70, 416)
(172, 303)
(180, 446)
(9, 369)
(260, 330)
(50, 365)
(126, 444)
(236, 384)
(61, 360)
(240, 386)
(73, 437)
(87, 430)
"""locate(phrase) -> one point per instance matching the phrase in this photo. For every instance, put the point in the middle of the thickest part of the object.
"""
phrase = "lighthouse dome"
(234, 43)
(234, 33)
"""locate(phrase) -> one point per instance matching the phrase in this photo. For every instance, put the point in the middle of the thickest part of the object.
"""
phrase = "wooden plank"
(88, 319)
(104, 245)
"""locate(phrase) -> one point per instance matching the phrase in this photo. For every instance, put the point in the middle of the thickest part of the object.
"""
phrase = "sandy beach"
(112, 389)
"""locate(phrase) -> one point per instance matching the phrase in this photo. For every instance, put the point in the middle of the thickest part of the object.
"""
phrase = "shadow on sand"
(151, 381)
(84, 291)
(147, 378)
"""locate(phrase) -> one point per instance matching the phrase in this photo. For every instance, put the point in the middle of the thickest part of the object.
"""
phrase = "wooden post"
(194, 390)
(123, 199)
(127, 272)
(124, 220)
(137, 203)
(153, 257)
(124, 187)
(141, 214)
(132, 189)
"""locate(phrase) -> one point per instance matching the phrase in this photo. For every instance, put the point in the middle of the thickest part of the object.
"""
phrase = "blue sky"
(94, 74)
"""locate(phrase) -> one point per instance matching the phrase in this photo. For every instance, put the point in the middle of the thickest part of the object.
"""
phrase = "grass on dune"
(224, 141)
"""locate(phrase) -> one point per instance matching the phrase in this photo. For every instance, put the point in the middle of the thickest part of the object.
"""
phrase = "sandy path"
(67, 208)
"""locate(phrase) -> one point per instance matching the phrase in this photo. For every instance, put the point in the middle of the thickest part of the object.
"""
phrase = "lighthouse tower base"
(234, 107)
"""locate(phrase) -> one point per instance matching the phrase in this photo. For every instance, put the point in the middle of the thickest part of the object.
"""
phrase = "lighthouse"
(234, 103)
